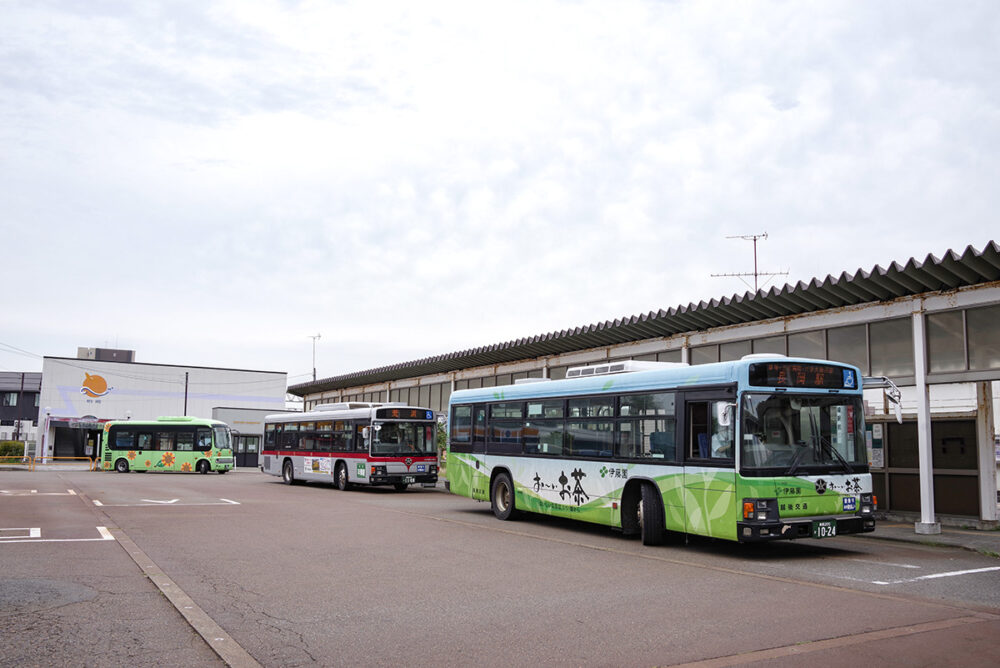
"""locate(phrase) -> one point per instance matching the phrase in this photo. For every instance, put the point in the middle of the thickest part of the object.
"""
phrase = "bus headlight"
(868, 504)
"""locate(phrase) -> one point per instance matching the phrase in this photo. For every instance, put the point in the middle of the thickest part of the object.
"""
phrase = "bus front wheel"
(121, 466)
(502, 497)
(288, 473)
(651, 518)
(400, 486)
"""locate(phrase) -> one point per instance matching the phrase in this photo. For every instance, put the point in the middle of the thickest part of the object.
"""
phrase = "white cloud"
(477, 173)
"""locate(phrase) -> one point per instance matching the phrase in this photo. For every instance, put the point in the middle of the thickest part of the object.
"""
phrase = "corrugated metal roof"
(934, 274)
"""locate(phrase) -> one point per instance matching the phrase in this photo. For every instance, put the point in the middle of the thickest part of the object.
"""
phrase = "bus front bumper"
(805, 527)
(404, 479)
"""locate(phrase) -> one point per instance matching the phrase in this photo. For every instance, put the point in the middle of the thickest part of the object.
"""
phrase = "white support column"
(927, 523)
(987, 459)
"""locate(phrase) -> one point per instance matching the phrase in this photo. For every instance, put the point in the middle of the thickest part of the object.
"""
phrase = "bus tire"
(288, 473)
(400, 486)
(221, 471)
(502, 497)
(651, 520)
(121, 466)
(202, 466)
(341, 477)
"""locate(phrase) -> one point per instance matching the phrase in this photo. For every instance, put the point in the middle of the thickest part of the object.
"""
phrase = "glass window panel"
(507, 410)
(733, 350)
(849, 345)
(185, 441)
(661, 403)
(770, 344)
(164, 440)
(435, 403)
(547, 437)
(445, 396)
(551, 408)
(669, 356)
(984, 337)
(425, 396)
(461, 424)
(489, 381)
(808, 344)
(704, 354)
(592, 407)
(946, 341)
(504, 379)
(124, 440)
(558, 372)
(648, 438)
(461, 385)
(892, 347)
(590, 439)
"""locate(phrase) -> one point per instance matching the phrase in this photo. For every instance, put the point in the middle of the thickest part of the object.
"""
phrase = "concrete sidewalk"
(984, 541)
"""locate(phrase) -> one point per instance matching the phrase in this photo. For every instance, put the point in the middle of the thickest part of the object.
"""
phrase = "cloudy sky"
(211, 183)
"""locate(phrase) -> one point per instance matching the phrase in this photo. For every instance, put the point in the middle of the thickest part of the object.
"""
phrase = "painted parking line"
(36, 537)
(935, 576)
(165, 503)
(34, 492)
(32, 532)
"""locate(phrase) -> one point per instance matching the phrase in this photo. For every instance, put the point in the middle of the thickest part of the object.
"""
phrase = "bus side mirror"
(724, 413)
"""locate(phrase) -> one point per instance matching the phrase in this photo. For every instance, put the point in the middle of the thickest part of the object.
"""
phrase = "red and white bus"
(353, 443)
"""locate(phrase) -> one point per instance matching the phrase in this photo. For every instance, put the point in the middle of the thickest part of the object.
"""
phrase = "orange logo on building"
(95, 386)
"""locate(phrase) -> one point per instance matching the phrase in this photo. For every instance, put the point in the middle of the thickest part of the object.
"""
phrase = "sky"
(215, 183)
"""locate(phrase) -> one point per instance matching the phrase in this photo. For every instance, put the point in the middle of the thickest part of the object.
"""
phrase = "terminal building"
(78, 395)
(931, 326)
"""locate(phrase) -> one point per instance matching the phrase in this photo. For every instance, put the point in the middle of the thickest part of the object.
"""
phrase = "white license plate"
(408, 479)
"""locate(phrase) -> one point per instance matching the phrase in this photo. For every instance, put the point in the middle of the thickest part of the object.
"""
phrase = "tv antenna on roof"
(756, 273)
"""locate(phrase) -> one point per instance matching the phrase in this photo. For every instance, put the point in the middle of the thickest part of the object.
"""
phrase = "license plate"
(408, 479)
(824, 528)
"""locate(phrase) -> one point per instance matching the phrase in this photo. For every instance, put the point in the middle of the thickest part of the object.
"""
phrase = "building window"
(669, 356)
(8, 398)
(849, 345)
(808, 344)
(984, 337)
(733, 351)
(704, 354)
(892, 347)
(774, 345)
(946, 341)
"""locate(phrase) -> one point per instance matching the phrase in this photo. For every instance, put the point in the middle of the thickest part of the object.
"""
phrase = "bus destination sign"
(799, 374)
(403, 414)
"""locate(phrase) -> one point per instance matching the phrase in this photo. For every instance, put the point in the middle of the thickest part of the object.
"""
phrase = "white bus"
(355, 443)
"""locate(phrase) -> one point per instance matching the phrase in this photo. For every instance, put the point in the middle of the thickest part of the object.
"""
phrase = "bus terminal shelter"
(931, 326)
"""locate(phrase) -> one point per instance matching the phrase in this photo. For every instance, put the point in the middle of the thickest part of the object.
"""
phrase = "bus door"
(709, 427)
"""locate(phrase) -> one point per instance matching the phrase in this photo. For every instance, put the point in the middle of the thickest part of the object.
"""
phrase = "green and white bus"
(763, 448)
(174, 444)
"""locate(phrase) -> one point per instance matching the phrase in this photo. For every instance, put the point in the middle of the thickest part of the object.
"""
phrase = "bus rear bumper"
(755, 532)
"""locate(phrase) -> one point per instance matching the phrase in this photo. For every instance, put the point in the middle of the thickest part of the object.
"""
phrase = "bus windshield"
(789, 434)
(222, 440)
(403, 438)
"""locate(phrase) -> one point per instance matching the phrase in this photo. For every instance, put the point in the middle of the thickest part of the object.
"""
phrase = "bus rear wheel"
(121, 466)
(341, 477)
(502, 497)
(202, 466)
(650, 518)
(288, 473)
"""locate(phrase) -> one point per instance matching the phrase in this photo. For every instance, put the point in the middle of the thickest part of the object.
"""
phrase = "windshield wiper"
(825, 444)
(794, 464)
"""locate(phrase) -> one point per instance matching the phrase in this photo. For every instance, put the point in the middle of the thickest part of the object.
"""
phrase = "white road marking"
(884, 563)
(935, 576)
(34, 492)
(235, 503)
(156, 501)
(152, 503)
(33, 532)
(105, 535)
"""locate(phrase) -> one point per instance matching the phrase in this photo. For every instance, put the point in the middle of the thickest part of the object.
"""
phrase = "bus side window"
(164, 440)
(203, 440)
(185, 441)
(144, 442)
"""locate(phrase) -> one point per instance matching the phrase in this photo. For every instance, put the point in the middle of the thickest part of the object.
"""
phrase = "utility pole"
(314, 355)
(756, 272)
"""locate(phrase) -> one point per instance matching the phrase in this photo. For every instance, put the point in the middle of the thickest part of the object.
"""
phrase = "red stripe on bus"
(347, 455)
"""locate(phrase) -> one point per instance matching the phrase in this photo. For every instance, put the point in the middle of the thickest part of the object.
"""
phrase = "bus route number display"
(403, 414)
(795, 374)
